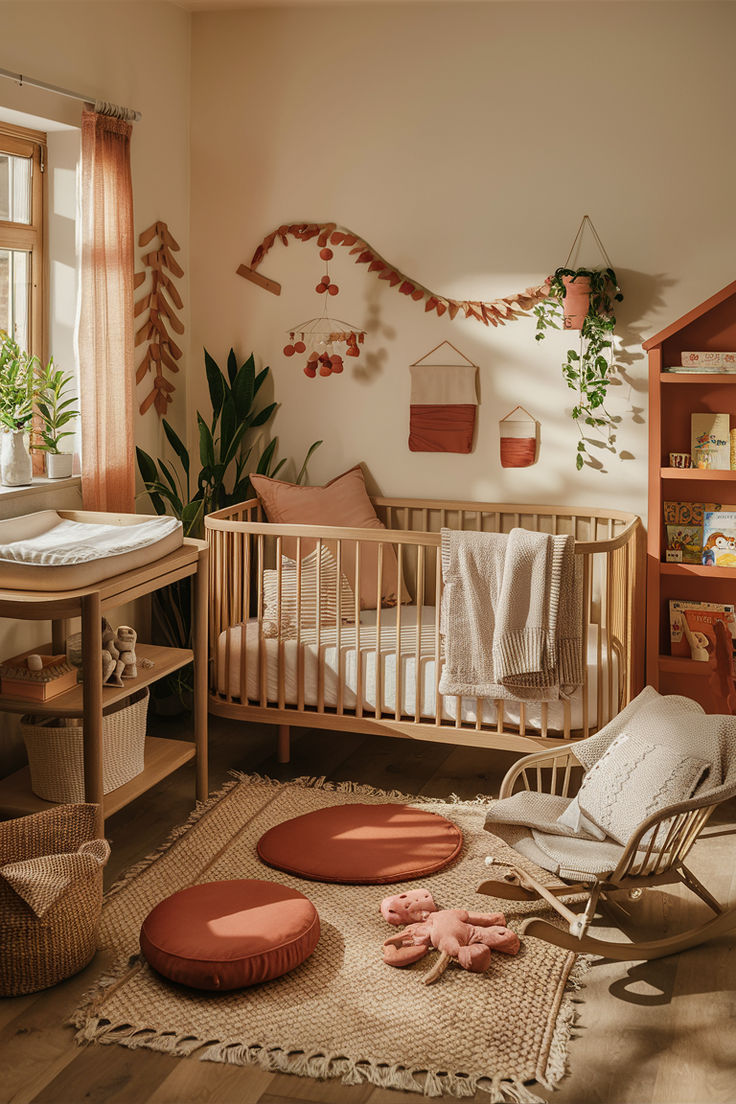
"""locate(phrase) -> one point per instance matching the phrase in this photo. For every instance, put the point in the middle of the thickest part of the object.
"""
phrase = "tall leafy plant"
(586, 370)
(223, 479)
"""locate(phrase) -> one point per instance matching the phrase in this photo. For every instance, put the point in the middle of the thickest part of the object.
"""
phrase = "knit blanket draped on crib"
(511, 615)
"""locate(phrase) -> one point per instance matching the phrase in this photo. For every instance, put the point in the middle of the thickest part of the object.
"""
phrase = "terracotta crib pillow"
(342, 502)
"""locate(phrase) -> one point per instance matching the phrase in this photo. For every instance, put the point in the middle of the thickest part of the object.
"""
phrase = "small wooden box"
(41, 688)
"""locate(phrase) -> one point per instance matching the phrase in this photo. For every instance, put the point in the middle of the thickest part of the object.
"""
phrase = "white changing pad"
(53, 550)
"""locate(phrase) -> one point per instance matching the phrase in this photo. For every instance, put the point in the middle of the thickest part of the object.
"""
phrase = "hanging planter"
(584, 299)
(576, 300)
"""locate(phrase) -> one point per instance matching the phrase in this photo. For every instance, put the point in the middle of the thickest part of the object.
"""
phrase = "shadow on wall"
(373, 356)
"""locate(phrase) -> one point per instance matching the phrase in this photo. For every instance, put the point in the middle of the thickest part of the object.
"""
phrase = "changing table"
(90, 698)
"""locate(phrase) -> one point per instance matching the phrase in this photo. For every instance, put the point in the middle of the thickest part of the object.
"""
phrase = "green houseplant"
(18, 389)
(587, 370)
(56, 411)
(223, 478)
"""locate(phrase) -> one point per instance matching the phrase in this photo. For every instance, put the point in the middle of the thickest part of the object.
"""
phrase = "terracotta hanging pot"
(576, 301)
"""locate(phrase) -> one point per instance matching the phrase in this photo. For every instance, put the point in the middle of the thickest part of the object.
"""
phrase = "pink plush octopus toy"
(460, 936)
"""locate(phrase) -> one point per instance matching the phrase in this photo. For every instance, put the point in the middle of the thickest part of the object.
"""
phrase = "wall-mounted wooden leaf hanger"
(495, 312)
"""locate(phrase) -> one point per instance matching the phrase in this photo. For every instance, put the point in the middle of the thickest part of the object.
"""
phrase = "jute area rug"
(342, 1013)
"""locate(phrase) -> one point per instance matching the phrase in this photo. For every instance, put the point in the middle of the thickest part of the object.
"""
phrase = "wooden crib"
(381, 673)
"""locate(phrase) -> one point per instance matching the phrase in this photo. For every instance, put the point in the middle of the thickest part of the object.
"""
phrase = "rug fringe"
(320, 1066)
(321, 782)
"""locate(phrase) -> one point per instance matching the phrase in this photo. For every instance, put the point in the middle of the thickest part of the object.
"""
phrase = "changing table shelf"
(161, 758)
(90, 698)
(71, 702)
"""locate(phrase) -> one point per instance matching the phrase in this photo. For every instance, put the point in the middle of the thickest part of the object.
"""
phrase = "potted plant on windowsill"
(56, 411)
(17, 392)
(584, 299)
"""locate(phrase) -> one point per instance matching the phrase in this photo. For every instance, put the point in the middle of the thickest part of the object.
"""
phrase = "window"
(22, 166)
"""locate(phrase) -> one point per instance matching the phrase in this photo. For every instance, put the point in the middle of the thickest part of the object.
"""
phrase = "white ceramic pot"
(15, 461)
(59, 465)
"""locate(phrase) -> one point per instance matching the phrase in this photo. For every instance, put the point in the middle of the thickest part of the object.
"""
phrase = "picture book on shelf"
(723, 611)
(711, 440)
(688, 539)
(719, 538)
(700, 632)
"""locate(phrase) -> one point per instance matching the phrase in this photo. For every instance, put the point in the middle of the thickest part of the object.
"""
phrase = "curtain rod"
(127, 113)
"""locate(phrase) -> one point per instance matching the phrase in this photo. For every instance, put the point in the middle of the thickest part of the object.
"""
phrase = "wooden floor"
(658, 1033)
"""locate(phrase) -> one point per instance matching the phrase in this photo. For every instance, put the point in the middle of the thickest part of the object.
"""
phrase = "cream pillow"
(313, 567)
(634, 779)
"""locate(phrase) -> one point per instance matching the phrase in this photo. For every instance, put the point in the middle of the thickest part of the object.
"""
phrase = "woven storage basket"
(55, 753)
(50, 896)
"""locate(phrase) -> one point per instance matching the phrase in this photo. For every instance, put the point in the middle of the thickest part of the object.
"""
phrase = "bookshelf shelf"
(679, 666)
(673, 398)
(708, 378)
(711, 475)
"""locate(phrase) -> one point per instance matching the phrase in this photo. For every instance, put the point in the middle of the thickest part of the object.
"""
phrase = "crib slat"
(499, 715)
(262, 659)
(320, 656)
(300, 648)
(338, 631)
(545, 718)
(398, 702)
(587, 581)
(280, 664)
(437, 660)
(358, 639)
(244, 627)
(418, 669)
(378, 709)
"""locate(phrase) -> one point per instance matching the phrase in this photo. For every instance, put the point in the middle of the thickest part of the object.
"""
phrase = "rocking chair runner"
(654, 855)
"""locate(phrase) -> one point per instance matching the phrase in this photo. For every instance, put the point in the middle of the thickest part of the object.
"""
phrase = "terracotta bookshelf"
(711, 326)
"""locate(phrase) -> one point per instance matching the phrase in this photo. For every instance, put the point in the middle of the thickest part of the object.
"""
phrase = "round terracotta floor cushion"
(362, 844)
(225, 935)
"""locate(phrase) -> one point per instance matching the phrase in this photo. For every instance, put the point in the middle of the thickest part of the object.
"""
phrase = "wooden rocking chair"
(653, 856)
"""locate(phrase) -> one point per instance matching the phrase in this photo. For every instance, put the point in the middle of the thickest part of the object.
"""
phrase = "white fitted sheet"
(321, 678)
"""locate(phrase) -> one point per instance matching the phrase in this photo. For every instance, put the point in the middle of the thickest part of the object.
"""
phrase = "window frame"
(22, 142)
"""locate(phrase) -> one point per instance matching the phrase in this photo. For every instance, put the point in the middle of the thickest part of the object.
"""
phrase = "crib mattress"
(415, 686)
(53, 550)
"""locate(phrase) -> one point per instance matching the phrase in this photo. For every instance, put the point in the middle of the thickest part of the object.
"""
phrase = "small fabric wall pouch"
(518, 439)
(443, 405)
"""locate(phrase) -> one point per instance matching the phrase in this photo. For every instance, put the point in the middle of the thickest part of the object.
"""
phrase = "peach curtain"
(106, 315)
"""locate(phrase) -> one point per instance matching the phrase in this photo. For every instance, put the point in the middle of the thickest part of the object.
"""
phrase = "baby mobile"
(323, 337)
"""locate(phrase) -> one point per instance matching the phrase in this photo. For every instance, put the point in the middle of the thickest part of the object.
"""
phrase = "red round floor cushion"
(362, 844)
(225, 935)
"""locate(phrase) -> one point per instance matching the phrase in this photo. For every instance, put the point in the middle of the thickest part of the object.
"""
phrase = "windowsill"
(40, 485)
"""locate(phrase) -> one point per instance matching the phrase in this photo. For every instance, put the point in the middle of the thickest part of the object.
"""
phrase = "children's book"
(688, 539)
(678, 639)
(700, 633)
(719, 538)
(710, 435)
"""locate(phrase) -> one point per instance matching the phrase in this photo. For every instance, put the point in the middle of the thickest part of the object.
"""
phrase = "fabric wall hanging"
(443, 404)
(519, 439)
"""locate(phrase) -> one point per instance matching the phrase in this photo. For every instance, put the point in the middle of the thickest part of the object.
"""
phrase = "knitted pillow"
(314, 568)
(634, 779)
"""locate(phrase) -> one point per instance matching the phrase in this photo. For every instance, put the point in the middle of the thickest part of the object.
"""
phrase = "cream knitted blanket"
(511, 615)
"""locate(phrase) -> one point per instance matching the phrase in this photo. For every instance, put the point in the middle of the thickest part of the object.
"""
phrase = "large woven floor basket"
(56, 753)
(50, 896)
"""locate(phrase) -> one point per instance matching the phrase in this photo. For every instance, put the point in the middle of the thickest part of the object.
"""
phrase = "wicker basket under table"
(50, 896)
(56, 752)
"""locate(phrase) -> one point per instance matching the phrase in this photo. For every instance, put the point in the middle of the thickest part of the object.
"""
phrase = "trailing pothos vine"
(587, 370)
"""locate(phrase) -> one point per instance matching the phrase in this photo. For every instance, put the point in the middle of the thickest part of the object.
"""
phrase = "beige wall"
(464, 142)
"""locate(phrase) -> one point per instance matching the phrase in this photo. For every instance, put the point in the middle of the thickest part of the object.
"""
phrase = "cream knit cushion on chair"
(634, 779)
(319, 566)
